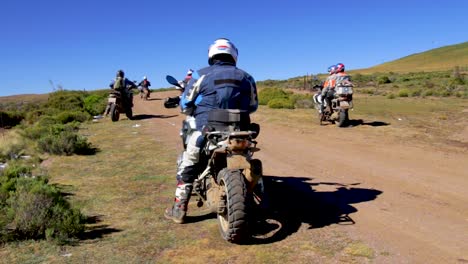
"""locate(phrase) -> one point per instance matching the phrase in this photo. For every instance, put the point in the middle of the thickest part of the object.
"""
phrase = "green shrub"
(267, 94)
(383, 79)
(281, 103)
(66, 100)
(445, 93)
(391, 96)
(429, 92)
(72, 116)
(415, 93)
(403, 93)
(36, 210)
(95, 104)
(58, 144)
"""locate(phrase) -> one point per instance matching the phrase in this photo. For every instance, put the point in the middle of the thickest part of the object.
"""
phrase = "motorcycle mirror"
(173, 81)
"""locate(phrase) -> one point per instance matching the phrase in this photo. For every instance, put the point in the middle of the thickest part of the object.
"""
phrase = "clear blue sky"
(81, 44)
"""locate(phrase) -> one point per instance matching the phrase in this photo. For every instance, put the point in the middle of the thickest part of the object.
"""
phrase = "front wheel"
(114, 112)
(232, 212)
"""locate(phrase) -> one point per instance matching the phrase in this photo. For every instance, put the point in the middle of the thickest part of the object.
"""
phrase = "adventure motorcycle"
(341, 101)
(144, 93)
(116, 104)
(231, 183)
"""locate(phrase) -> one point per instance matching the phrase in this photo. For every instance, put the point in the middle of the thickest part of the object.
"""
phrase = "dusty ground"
(406, 199)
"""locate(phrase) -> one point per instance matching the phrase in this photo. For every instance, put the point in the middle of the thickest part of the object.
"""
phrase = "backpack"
(119, 84)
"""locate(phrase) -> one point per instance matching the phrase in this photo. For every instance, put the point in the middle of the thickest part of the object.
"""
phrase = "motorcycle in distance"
(117, 104)
(144, 93)
(173, 102)
(231, 183)
(341, 102)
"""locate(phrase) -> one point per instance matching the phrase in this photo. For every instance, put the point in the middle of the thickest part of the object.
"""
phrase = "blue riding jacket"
(220, 86)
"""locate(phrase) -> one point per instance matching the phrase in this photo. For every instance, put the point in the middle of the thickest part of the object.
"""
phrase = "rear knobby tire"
(342, 118)
(129, 113)
(233, 222)
(114, 113)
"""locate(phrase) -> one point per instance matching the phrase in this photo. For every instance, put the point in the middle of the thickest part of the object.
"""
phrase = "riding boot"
(178, 211)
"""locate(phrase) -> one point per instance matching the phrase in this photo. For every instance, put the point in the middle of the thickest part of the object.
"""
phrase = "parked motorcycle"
(173, 102)
(231, 184)
(116, 104)
(340, 103)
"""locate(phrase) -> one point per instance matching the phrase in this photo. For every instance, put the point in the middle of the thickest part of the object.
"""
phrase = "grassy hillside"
(439, 59)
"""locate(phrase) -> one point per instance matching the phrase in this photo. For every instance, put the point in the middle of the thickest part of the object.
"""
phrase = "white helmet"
(222, 46)
(189, 72)
(144, 77)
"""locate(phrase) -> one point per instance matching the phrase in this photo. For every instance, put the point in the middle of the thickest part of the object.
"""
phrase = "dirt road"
(407, 200)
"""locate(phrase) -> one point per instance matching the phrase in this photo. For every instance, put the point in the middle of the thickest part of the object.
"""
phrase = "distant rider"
(124, 86)
(145, 84)
(328, 88)
(221, 86)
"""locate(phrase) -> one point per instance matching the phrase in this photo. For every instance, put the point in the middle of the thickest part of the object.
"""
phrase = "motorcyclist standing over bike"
(124, 86)
(145, 84)
(221, 86)
(328, 86)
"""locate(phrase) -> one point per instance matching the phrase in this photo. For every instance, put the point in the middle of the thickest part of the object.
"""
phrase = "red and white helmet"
(222, 46)
(339, 67)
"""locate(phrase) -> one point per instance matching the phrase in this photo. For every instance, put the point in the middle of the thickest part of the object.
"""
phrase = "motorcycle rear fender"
(252, 168)
(237, 162)
(345, 105)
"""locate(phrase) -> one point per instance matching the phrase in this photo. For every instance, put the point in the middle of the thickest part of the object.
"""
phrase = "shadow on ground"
(292, 202)
(94, 230)
(360, 122)
(145, 116)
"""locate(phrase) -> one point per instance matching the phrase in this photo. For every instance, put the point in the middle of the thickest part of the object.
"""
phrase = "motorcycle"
(231, 183)
(116, 104)
(144, 93)
(340, 103)
(173, 102)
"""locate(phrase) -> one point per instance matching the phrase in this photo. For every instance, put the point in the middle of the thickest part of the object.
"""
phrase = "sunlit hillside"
(439, 59)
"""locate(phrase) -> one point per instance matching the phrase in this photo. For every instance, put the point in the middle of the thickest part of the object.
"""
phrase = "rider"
(145, 84)
(124, 86)
(328, 86)
(188, 77)
(341, 76)
(221, 86)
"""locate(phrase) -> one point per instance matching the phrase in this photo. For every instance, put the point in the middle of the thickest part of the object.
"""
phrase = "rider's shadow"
(293, 202)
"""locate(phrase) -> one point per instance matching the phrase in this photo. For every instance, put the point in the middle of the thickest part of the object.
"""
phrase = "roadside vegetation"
(30, 207)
